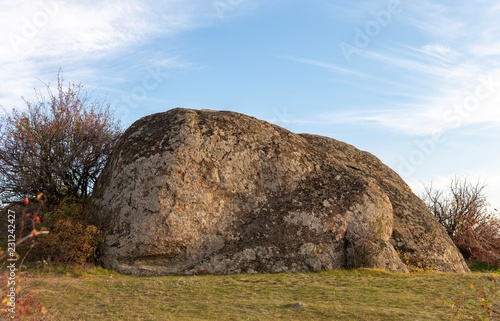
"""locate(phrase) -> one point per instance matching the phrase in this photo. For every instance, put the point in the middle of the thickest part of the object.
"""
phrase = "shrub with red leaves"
(464, 212)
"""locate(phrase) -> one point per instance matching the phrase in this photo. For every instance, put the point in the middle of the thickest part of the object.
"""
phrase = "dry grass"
(362, 294)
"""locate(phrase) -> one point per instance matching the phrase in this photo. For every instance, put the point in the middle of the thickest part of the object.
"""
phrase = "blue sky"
(415, 83)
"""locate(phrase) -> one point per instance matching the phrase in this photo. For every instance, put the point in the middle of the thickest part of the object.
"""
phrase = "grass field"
(362, 294)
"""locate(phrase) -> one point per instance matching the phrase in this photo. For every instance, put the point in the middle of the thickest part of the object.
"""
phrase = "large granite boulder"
(189, 191)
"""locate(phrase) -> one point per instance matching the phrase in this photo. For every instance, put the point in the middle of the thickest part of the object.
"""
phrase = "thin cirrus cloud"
(62, 27)
(326, 65)
(38, 38)
(454, 74)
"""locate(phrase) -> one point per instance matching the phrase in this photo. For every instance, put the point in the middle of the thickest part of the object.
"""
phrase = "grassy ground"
(332, 295)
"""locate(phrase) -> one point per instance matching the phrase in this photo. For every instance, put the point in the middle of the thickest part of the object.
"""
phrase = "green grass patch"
(362, 294)
(476, 266)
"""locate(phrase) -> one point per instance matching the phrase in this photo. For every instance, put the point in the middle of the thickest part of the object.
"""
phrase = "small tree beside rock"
(464, 212)
(58, 145)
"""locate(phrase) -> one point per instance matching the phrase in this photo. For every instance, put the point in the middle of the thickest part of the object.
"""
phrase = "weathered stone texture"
(190, 191)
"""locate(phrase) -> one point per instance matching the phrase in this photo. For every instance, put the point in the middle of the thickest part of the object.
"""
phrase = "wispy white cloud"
(440, 52)
(485, 49)
(326, 65)
(354, 76)
(57, 28)
(455, 75)
(435, 19)
(39, 37)
(444, 77)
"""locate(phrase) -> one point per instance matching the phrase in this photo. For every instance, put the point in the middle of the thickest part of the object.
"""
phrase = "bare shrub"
(463, 210)
(58, 145)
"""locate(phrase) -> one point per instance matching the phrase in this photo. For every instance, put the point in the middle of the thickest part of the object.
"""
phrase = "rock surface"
(197, 192)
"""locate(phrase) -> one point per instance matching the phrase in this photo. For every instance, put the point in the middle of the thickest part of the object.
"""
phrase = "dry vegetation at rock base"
(362, 294)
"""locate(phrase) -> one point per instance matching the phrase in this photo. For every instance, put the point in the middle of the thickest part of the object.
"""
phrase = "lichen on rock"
(197, 191)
